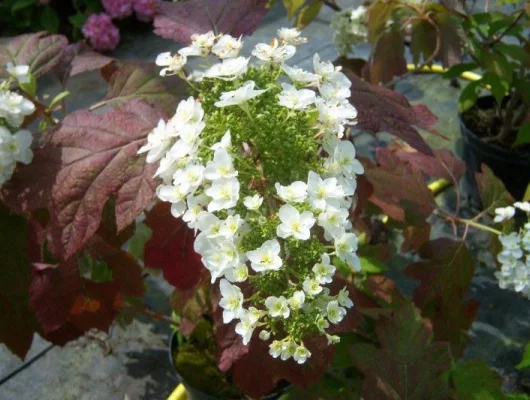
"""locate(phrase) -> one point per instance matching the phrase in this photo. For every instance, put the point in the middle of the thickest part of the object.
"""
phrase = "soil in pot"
(195, 362)
(479, 125)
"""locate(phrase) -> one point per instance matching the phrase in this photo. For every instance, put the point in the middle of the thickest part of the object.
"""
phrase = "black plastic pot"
(510, 166)
(195, 394)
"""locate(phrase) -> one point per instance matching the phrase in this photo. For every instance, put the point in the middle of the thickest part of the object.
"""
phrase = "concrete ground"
(133, 364)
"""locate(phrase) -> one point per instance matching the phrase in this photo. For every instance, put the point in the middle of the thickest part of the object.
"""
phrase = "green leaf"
(523, 136)
(525, 361)
(343, 268)
(469, 96)
(423, 40)
(497, 86)
(292, 6)
(101, 272)
(458, 69)
(49, 19)
(372, 265)
(78, 20)
(526, 196)
(59, 98)
(22, 4)
(474, 380)
(136, 244)
(308, 13)
(492, 191)
(513, 51)
(516, 396)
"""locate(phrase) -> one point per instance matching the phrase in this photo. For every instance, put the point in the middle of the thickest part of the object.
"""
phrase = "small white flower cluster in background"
(515, 254)
(15, 143)
(204, 187)
(349, 29)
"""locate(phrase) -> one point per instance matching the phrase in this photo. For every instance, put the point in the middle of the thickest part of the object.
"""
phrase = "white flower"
(221, 167)
(323, 270)
(329, 73)
(334, 312)
(333, 116)
(502, 214)
(173, 64)
(277, 306)
(295, 224)
(291, 36)
(253, 202)
(231, 301)
(229, 69)
(344, 298)
(224, 194)
(245, 328)
(267, 257)
(296, 301)
(238, 96)
(274, 53)
(19, 72)
(209, 224)
(296, 192)
(188, 111)
(298, 75)
(289, 347)
(334, 220)
(231, 226)
(167, 167)
(225, 143)
(158, 142)
(203, 40)
(218, 256)
(237, 274)
(322, 324)
(524, 206)
(275, 348)
(345, 248)
(171, 193)
(330, 91)
(15, 147)
(227, 47)
(343, 159)
(265, 335)
(195, 208)
(323, 191)
(312, 286)
(332, 339)
(14, 107)
(296, 99)
(189, 178)
(301, 354)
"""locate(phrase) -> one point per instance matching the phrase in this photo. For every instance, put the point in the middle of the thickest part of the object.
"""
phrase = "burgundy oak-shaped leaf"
(445, 277)
(407, 364)
(383, 110)
(78, 58)
(400, 189)
(443, 164)
(178, 21)
(17, 320)
(171, 248)
(86, 160)
(142, 81)
(38, 50)
(387, 59)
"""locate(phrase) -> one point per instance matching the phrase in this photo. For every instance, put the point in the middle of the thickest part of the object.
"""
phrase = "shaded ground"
(138, 366)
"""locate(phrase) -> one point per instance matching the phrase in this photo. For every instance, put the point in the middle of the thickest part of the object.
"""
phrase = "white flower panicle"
(15, 143)
(249, 227)
(349, 29)
(515, 254)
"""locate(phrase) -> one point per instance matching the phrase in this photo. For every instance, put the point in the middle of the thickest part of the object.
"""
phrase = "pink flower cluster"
(118, 9)
(146, 9)
(101, 33)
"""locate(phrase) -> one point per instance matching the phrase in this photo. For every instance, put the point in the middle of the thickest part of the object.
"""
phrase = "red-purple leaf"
(84, 161)
(142, 81)
(442, 165)
(178, 21)
(445, 277)
(17, 321)
(407, 364)
(415, 236)
(399, 188)
(450, 38)
(38, 50)
(387, 60)
(171, 248)
(383, 110)
(78, 58)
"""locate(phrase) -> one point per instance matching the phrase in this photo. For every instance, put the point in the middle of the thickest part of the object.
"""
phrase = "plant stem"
(514, 22)
(331, 4)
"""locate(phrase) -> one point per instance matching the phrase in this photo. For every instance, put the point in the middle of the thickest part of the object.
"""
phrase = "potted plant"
(494, 110)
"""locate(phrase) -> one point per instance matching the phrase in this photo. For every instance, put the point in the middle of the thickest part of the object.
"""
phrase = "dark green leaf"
(525, 361)
(469, 96)
(372, 265)
(78, 20)
(457, 70)
(423, 41)
(292, 6)
(136, 244)
(513, 51)
(492, 191)
(30, 87)
(308, 13)
(523, 136)
(497, 86)
(49, 19)
(474, 380)
(22, 4)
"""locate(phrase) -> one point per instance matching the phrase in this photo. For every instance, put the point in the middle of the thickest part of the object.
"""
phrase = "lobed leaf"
(407, 365)
(78, 58)
(443, 164)
(492, 191)
(171, 248)
(383, 110)
(86, 160)
(39, 50)
(178, 21)
(387, 59)
(475, 380)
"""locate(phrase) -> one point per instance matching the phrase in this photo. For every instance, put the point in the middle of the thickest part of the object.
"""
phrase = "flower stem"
(479, 226)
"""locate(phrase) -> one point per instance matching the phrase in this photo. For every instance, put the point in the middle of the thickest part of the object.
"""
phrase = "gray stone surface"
(138, 368)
